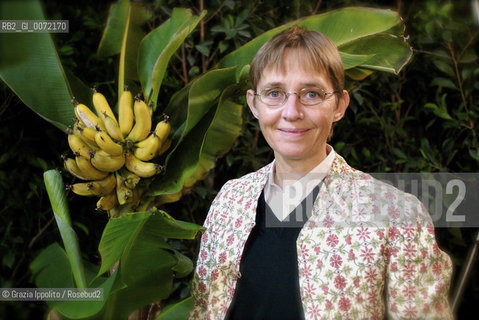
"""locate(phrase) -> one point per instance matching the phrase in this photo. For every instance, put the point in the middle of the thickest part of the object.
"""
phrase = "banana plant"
(138, 265)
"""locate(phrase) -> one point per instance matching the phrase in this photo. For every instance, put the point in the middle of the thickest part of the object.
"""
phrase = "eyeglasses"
(276, 97)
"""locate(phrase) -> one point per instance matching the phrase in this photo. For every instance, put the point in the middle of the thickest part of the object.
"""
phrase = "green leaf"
(183, 266)
(78, 309)
(443, 82)
(358, 73)
(391, 53)
(178, 310)
(122, 35)
(111, 41)
(439, 111)
(445, 67)
(56, 193)
(132, 35)
(426, 150)
(225, 126)
(157, 48)
(81, 92)
(353, 60)
(347, 28)
(147, 263)
(204, 48)
(119, 232)
(51, 269)
(190, 107)
(30, 66)
(399, 153)
(474, 154)
(55, 189)
(224, 129)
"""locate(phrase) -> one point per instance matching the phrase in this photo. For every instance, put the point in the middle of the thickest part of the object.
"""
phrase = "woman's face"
(294, 131)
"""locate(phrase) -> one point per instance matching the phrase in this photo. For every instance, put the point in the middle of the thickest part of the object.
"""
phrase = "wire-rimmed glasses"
(310, 96)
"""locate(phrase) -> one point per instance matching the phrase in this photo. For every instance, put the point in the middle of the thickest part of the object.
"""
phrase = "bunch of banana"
(112, 155)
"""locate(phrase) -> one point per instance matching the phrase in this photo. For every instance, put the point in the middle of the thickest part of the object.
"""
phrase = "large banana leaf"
(177, 311)
(123, 35)
(347, 28)
(202, 96)
(398, 53)
(30, 66)
(119, 232)
(112, 38)
(66, 264)
(157, 48)
(223, 131)
(53, 260)
(138, 240)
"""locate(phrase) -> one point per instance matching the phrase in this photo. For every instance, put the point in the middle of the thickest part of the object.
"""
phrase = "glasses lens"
(273, 96)
(311, 96)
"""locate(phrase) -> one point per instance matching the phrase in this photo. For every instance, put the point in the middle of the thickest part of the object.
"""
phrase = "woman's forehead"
(293, 68)
(294, 60)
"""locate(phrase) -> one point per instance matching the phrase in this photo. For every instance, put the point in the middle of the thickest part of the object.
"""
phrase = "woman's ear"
(343, 104)
(250, 100)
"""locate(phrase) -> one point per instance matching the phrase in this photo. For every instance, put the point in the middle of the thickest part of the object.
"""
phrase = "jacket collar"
(336, 184)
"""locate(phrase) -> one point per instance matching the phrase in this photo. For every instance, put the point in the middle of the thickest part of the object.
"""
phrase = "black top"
(269, 286)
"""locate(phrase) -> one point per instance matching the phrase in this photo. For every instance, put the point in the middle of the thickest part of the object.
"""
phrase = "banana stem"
(121, 68)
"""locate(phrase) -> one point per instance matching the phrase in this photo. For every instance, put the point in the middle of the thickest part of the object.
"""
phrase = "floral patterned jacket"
(368, 251)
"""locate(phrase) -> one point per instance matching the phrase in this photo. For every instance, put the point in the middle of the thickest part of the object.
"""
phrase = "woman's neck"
(288, 171)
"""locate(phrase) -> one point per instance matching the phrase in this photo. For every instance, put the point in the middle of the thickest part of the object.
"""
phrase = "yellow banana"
(104, 141)
(71, 166)
(105, 186)
(130, 179)
(82, 189)
(106, 162)
(171, 197)
(85, 133)
(107, 202)
(123, 193)
(141, 168)
(102, 107)
(142, 126)
(147, 149)
(107, 116)
(163, 128)
(125, 112)
(112, 128)
(87, 117)
(95, 188)
(78, 146)
(86, 168)
(164, 147)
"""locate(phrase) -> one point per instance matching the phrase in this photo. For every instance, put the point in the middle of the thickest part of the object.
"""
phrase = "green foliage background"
(422, 120)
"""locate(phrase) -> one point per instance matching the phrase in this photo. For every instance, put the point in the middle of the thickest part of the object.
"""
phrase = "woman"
(307, 236)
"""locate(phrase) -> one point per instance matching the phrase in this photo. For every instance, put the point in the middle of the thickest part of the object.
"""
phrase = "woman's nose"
(292, 107)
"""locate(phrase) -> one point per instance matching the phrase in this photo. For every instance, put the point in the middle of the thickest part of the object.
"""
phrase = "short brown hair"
(319, 52)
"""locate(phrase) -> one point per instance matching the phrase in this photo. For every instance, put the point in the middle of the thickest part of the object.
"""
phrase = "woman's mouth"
(293, 132)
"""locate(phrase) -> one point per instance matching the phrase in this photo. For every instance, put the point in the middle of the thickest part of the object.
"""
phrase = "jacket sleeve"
(419, 273)
(200, 284)
(200, 288)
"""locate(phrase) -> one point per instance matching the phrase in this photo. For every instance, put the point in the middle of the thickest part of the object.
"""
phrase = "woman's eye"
(274, 94)
(312, 95)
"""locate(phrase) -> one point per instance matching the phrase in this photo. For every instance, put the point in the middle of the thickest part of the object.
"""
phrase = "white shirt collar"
(283, 201)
